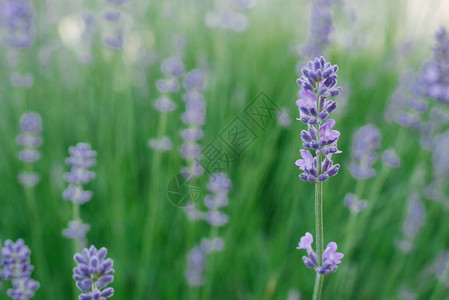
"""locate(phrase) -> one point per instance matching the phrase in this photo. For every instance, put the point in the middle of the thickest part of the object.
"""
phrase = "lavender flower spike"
(318, 84)
(81, 157)
(331, 258)
(433, 82)
(196, 264)
(93, 273)
(15, 259)
(30, 138)
(23, 289)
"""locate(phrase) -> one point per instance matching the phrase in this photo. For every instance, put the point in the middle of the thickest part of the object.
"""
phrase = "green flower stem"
(152, 212)
(319, 280)
(36, 236)
(207, 289)
(75, 244)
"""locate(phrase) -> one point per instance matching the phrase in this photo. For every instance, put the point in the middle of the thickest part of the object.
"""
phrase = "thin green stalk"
(36, 237)
(212, 235)
(439, 290)
(75, 244)
(319, 233)
(152, 212)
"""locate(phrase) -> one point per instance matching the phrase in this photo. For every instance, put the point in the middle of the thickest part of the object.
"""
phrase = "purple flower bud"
(162, 144)
(390, 158)
(191, 134)
(323, 115)
(173, 67)
(196, 264)
(23, 288)
(169, 85)
(216, 218)
(195, 80)
(76, 230)
(29, 179)
(323, 177)
(76, 194)
(305, 136)
(29, 155)
(114, 41)
(331, 106)
(165, 104)
(354, 204)
(283, 118)
(309, 262)
(334, 170)
(303, 177)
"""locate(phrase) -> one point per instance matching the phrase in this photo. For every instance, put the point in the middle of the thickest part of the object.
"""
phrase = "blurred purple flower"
(17, 17)
(365, 143)
(16, 260)
(23, 288)
(164, 104)
(414, 220)
(320, 28)
(434, 80)
(354, 204)
(195, 80)
(30, 138)
(196, 264)
(390, 158)
(283, 118)
(162, 144)
(173, 67)
(76, 230)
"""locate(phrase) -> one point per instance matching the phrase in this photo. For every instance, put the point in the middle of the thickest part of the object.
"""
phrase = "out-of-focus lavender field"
(167, 132)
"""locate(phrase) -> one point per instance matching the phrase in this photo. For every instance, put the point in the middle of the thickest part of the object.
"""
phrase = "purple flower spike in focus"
(331, 258)
(318, 84)
(93, 273)
(365, 143)
(30, 138)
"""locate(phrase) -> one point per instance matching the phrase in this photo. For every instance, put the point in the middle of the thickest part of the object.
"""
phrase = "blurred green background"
(108, 103)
